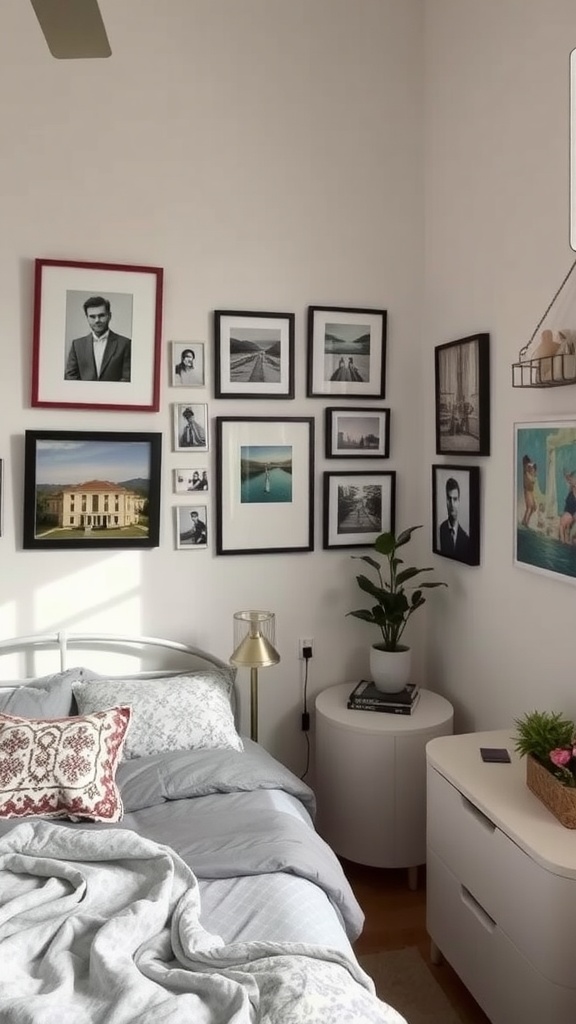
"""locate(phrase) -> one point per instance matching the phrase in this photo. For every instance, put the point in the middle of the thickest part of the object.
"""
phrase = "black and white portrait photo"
(98, 336)
(462, 396)
(190, 427)
(456, 511)
(191, 526)
(188, 364)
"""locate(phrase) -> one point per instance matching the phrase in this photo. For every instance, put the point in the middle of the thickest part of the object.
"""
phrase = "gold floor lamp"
(254, 637)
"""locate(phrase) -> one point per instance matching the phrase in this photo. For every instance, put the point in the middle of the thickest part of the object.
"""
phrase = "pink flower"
(560, 757)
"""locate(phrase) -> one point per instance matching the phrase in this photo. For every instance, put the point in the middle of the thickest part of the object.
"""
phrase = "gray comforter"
(103, 927)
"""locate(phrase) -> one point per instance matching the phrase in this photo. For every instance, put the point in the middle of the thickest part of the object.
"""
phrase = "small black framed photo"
(254, 354)
(191, 527)
(346, 352)
(91, 489)
(265, 484)
(456, 513)
(190, 426)
(187, 364)
(357, 433)
(462, 396)
(357, 508)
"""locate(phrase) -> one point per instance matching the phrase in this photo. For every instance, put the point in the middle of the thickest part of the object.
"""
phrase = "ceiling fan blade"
(72, 28)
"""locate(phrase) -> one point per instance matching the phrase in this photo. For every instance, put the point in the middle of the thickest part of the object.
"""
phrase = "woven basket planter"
(559, 799)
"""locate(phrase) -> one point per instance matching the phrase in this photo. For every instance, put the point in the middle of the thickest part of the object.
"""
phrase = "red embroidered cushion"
(62, 767)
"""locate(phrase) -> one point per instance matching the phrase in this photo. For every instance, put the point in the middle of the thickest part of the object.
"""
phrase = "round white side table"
(370, 778)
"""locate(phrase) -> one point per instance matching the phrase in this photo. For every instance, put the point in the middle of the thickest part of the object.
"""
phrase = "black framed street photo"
(97, 334)
(462, 396)
(456, 512)
(346, 352)
(91, 489)
(357, 508)
(357, 433)
(253, 354)
(265, 484)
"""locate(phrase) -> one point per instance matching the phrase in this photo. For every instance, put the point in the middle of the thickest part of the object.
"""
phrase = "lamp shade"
(254, 636)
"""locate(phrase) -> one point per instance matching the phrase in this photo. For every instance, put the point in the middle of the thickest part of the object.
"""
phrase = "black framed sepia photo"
(195, 479)
(358, 507)
(462, 396)
(97, 335)
(191, 527)
(253, 354)
(357, 433)
(265, 484)
(190, 427)
(187, 364)
(456, 512)
(346, 352)
(91, 489)
(545, 497)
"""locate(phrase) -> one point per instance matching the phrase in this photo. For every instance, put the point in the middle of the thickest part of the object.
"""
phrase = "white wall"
(267, 154)
(497, 247)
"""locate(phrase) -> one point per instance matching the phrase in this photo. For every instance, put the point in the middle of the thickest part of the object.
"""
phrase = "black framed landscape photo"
(456, 513)
(357, 508)
(462, 396)
(346, 352)
(265, 484)
(97, 334)
(357, 433)
(91, 489)
(253, 354)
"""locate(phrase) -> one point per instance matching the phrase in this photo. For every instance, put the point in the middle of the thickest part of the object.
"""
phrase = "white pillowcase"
(190, 711)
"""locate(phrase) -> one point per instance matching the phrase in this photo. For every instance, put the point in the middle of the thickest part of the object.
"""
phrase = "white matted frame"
(191, 523)
(190, 427)
(265, 484)
(253, 354)
(358, 507)
(357, 433)
(187, 364)
(64, 373)
(346, 352)
(545, 498)
(189, 479)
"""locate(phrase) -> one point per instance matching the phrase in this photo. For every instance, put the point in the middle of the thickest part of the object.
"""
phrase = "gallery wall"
(268, 156)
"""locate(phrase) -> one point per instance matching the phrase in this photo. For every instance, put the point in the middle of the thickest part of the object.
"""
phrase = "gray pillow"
(46, 697)
(188, 711)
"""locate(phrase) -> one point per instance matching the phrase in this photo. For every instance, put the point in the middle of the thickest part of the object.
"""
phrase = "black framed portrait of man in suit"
(456, 513)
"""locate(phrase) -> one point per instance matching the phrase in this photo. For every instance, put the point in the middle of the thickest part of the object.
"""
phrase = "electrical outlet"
(305, 643)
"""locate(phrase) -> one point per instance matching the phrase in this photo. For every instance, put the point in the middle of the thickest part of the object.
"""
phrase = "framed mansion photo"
(91, 489)
(346, 352)
(97, 335)
(456, 513)
(358, 506)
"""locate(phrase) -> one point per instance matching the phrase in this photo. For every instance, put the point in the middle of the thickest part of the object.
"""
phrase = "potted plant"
(397, 597)
(548, 741)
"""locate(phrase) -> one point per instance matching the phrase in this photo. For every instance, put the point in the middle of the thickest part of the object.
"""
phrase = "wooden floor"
(396, 917)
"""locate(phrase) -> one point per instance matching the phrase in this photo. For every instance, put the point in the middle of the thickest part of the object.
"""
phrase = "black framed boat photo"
(346, 352)
(91, 489)
(462, 396)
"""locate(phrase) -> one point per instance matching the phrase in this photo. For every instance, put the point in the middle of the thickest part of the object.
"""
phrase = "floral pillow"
(191, 711)
(62, 767)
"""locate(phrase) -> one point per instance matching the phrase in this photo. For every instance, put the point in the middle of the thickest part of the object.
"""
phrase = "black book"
(366, 695)
(387, 709)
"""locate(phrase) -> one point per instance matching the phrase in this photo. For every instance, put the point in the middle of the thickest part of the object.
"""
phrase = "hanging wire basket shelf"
(553, 363)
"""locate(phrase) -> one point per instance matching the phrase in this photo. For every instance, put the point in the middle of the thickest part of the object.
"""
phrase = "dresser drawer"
(499, 976)
(533, 907)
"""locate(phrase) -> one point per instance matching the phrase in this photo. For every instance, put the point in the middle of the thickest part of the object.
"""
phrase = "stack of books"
(365, 697)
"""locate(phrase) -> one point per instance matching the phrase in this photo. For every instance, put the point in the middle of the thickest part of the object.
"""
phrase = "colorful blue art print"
(265, 473)
(545, 498)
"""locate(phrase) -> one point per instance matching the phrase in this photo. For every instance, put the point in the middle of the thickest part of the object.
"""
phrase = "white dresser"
(501, 883)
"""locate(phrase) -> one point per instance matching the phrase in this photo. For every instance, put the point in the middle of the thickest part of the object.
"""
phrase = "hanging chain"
(524, 350)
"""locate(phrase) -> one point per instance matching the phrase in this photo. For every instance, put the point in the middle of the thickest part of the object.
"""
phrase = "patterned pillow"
(185, 712)
(62, 767)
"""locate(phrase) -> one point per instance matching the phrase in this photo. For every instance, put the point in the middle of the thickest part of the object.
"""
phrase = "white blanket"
(104, 928)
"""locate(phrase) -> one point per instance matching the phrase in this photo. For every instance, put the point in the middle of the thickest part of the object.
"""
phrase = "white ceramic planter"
(390, 670)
